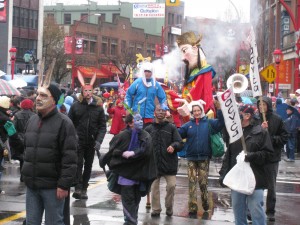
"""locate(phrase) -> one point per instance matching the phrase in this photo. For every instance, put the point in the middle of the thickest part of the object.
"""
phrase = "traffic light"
(172, 2)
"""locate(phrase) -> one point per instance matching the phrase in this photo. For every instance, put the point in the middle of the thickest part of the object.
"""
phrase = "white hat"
(199, 103)
(4, 102)
(298, 91)
(147, 66)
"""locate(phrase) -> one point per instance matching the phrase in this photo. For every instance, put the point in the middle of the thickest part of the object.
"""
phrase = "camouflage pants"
(198, 171)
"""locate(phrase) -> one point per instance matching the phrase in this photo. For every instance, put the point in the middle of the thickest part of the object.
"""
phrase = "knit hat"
(247, 109)
(199, 103)
(147, 66)
(26, 104)
(298, 91)
(4, 102)
(118, 101)
(55, 92)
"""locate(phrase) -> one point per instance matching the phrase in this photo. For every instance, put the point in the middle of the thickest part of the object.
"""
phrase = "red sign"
(68, 45)
(89, 72)
(3, 11)
(157, 51)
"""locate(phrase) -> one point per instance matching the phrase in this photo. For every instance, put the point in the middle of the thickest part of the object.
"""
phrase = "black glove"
(97, 145)
(221, 182)
(249, 157)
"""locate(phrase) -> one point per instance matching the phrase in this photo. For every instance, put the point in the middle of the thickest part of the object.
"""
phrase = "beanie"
(27, 104)
(247, 109)
(4, 102)
(55, 92)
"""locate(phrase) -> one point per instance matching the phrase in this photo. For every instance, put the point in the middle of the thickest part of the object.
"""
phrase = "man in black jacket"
(50, 159)
(279, 136)
(89, 120)
(259, 149)
(166, 143)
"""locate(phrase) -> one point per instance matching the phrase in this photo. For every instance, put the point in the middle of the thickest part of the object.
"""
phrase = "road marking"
(13, 217)
(23, 213)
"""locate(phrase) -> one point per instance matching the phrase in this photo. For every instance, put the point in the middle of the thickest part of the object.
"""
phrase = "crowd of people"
(38, 129)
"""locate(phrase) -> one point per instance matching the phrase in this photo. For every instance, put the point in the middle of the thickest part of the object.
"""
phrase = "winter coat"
(50, 157)
(197, 136)
(117, 124)
(20, 120)
(139, 91)
(3, 119)
(141, 167)
(163, 135)
(259, 146)
(89, 121)
(291, 125)
(276, 128)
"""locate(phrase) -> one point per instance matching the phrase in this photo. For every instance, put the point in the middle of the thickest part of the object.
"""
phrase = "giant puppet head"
(192, 53)
(86, 89)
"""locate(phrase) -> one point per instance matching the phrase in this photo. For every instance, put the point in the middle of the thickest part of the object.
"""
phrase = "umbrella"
(249, 100)
(7, 89)
(18, 83)
(114, 85)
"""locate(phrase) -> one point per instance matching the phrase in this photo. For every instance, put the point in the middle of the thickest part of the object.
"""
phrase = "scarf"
(134, 142)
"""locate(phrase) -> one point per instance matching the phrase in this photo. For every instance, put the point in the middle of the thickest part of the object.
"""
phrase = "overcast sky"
(225, 10)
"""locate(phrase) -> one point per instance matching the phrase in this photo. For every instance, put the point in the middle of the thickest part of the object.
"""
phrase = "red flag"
(157, 50)
(68, 45)
(3, 11)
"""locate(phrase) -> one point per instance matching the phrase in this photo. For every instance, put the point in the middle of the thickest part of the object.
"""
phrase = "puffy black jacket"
(50, 156)
(164, 135)
(276, 128)
(259, 148)
(89, 121)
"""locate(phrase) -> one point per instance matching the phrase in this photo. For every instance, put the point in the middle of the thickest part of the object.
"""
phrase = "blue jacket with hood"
(141, 90)
(197, 136)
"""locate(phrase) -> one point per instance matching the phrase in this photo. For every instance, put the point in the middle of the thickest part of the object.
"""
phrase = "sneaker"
(84, 195)
(205, 216)
(2, 192)
(193, 215)
(155, 214)
(77, 194)
(169, 212)
(205, 206)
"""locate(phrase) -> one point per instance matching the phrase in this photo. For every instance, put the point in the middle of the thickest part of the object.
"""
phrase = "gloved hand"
(184, 109)
(128, 154)
(97, 145)
(10, 128)
(164, 106)
(249, 157)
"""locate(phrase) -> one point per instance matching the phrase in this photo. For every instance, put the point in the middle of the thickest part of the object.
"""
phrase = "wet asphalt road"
(104, 207)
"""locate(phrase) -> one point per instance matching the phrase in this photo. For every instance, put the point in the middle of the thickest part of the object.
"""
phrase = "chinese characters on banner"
(3, 11)
(78, 45)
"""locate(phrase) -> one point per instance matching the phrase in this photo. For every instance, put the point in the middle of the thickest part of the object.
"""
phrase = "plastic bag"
(241, 177)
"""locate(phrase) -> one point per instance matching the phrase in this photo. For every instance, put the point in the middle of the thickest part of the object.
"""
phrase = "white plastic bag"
(241, 177)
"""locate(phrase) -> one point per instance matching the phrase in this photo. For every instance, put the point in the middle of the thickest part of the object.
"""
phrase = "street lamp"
(74, 44)
(277, 58)
(12, 52)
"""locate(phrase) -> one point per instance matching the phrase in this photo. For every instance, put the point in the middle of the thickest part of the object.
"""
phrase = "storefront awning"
(88, 72)
(111, 68)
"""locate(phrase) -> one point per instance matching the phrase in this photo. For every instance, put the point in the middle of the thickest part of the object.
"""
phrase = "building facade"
(275, 29)
(22, 29)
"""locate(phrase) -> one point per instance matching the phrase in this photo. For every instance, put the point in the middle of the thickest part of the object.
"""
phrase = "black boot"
(77, 194)
(84, 194)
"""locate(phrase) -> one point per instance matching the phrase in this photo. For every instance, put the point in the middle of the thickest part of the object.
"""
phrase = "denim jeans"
(254, 202)
(290, 148)
(40, 200)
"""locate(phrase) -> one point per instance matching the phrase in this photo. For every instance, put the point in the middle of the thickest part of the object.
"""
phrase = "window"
(139, 48)
(67, 18)
(85, 46)
(104, 45)
(33, 19)
(84, 17)
(92, 47)
(113, 46)
(123, 46)
(115, 16)
(16, 17)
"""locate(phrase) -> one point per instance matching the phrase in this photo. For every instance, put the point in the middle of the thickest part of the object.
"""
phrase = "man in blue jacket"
(143, 92)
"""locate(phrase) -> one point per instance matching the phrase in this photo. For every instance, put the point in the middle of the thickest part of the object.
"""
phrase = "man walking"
(279, 136)
(89, 120)
(166, 143)
(50, 159)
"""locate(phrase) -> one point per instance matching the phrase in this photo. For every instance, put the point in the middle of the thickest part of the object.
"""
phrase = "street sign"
(269, 73)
